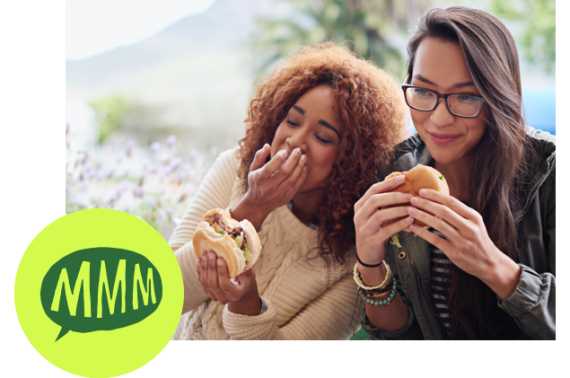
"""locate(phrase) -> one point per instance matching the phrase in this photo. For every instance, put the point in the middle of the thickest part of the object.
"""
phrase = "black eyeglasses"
(459, 104)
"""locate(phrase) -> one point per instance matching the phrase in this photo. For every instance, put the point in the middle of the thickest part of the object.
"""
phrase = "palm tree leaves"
(375, 29)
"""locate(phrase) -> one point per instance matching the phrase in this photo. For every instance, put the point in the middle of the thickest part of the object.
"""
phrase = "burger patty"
(214, 219)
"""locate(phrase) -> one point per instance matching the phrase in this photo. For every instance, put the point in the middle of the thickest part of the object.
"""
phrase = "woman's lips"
(443, 138)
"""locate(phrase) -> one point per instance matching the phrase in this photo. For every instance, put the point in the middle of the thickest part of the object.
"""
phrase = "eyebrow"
(458, 85)
(321, 122)
(329, 126)
(300, 110)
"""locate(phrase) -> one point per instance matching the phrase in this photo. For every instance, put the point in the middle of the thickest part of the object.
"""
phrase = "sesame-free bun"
(207, 239)
(420, 177)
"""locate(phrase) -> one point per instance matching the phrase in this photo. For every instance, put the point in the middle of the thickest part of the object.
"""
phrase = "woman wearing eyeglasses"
(484, 268)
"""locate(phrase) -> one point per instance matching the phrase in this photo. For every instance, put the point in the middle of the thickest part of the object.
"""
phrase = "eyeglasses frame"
(444, 96)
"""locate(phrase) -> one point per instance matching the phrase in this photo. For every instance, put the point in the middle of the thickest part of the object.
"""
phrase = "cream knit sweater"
(307, 298)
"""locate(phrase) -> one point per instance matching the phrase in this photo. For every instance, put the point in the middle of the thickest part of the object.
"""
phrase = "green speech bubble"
(104, 353)
(100, 289)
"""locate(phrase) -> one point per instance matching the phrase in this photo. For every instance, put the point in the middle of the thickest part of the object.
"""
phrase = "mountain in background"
(199, 71)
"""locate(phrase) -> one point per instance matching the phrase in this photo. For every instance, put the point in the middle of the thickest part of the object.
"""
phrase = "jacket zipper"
(444, 332)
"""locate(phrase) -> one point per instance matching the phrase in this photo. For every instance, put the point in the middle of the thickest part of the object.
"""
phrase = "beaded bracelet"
(381, 286)
(384, 302)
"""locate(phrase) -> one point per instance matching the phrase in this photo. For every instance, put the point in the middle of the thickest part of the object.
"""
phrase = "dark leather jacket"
(533, 304)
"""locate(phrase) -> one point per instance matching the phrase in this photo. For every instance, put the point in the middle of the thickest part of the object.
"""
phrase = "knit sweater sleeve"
(328, 317)
(214, 191)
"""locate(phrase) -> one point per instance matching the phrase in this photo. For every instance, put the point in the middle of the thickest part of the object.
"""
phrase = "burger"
(236, 242)
(419, 177)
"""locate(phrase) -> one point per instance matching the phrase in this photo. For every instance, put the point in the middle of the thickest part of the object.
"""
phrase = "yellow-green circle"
(98, 353)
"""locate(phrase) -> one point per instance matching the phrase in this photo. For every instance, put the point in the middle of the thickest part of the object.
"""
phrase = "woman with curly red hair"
(317, 130)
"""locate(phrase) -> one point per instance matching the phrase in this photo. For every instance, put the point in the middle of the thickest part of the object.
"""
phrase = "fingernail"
(219, 262)
(412, 211)
(409, 220)
(298, 150)
(303, 158)
(400, 179)
(413, 227)
(415, 201)
(407, 196)
(211, 256)
(204, 258)
(423, 192)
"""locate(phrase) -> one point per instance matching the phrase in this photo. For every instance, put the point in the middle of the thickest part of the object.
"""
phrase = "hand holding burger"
(236, 242)
(227, 250)
(381, 212)
(417, 178)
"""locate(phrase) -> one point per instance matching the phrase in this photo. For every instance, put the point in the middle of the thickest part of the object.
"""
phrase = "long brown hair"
(492, 59)
(370, 106)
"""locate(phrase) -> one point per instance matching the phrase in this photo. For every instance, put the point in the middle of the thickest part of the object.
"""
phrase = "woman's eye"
(422, 92)
(322, 140)
(466, 98)
(291, 123)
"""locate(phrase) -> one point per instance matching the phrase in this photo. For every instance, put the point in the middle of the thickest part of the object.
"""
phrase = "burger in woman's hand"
(420, 177)
(236, 242)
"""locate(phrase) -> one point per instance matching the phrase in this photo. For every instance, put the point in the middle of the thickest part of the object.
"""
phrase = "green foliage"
(110, 115)
(538, 38)
(122, 113)
(372, 29)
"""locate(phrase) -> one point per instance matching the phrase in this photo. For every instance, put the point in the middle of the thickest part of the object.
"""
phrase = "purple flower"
(155, 146)
(109, 199)
(81, 157)
(176, 162)
(193, 154)
(152, 202)
(138, 191)
(131, 143)
(170, 141)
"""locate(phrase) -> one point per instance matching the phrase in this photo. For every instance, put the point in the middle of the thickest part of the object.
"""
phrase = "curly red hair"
(370, 105)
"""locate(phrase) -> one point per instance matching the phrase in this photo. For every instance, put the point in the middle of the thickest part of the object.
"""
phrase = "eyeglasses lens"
(461, 105)
(421, 99)
(464, 105)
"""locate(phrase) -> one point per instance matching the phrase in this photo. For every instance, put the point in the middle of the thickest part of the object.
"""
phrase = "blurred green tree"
(375, 29)
(117, 112)
(538, 36)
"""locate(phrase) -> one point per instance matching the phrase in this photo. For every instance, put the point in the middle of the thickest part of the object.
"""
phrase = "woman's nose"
(298, 139)
(441, 115)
